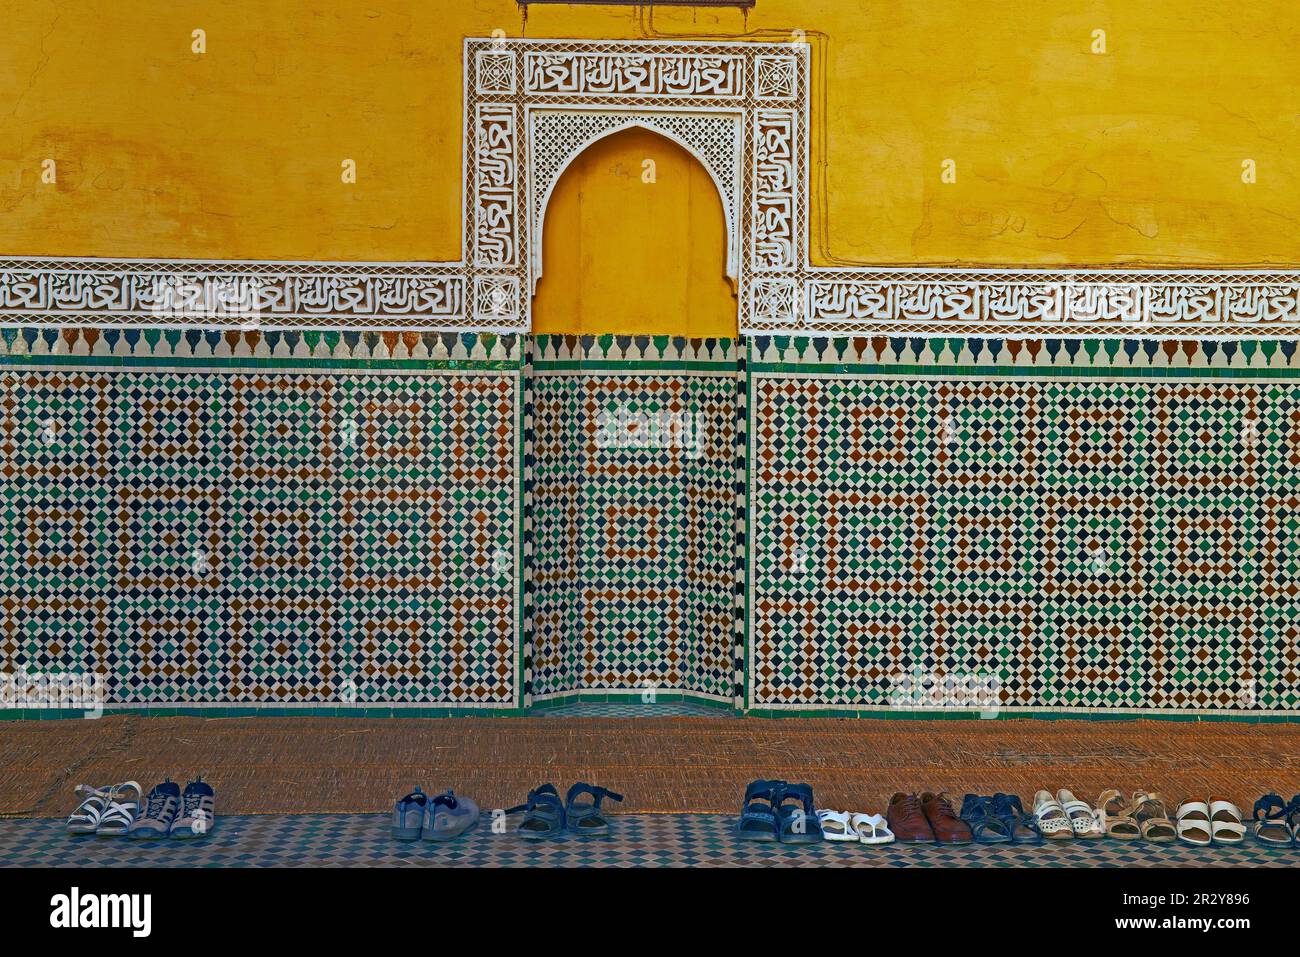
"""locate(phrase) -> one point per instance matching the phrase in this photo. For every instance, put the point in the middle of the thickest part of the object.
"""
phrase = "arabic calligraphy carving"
(531, 106)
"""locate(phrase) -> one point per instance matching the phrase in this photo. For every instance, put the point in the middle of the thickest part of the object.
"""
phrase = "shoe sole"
(445, 836)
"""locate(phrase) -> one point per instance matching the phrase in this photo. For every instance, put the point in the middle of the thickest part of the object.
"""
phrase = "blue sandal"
(1270, 821)
(1020, 825)
(986, 826)
(543, 814)
(799, 822)
(759, 820)
(585, 817)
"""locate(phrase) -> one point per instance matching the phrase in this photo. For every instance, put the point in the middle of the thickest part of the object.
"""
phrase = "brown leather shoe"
(907, 820)
(947, 826)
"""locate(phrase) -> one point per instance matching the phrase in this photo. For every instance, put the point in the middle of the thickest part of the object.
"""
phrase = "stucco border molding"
(742, 109)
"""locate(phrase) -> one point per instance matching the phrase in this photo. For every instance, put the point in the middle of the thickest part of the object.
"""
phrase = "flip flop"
(585, 817)
(1225, 822)
(447, 817)
(799, 824)
(543, 814)
(838, 826)
(408, 815)
(1194, 823)
(759, 821)
(872, 829)
(1152, 817)
(1117, 816)
(1053, 823)
(1084, 818)
(1270, 824)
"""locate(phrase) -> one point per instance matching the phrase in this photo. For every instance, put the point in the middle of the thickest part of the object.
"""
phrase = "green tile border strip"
(570, 698)
(1026, 372)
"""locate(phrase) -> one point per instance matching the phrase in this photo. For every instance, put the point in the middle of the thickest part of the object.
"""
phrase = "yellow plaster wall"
(1062, 156)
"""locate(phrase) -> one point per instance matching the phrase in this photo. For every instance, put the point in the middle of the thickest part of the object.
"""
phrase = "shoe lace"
(945, 804)
(157, 801)
(912, 805)
(192, 803)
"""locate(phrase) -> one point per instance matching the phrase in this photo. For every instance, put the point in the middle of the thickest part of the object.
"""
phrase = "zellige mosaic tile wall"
(634, 507)
(1037, 525)
(273, 518)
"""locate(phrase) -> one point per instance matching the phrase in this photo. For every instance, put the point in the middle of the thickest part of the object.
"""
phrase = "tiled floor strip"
(641, 840)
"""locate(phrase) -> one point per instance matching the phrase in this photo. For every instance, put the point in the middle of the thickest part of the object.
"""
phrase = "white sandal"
(872, 828)
(120, 812)
(1225, 822)
(1053, 823)
(85, 818)
(837, 826)
(1085, 819)
(1194, 823)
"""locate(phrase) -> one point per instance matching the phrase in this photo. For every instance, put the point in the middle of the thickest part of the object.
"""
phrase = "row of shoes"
(774, 810)
(444, 817)
(118, 811)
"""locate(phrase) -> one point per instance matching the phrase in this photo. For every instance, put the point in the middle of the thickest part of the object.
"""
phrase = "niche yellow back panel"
(635, 242)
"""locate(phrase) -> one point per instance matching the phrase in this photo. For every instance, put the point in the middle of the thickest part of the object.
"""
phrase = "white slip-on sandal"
(1193, 823)
(1053, 823)
(872, 828)
(1084, 818)
(836, 826)
(1225, 822)
(85, 819)
(121, 810)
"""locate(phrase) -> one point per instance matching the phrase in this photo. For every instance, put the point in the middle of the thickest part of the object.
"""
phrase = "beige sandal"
(1194, 823)
(1117, 816)
(1152, 817)
(1225, 822)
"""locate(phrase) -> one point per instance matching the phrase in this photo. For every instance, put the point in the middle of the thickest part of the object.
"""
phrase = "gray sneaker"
(198, 811)
(159, 810)
(448, 817)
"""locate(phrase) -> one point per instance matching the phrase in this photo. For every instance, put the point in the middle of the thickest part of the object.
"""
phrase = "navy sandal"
(1021, 826)
(799, 823)
(986, 826)
(543, 814)
(759, 820)
(585, 817)
(1293, 818)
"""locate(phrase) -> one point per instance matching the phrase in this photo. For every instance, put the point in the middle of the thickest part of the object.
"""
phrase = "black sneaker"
(198, 811)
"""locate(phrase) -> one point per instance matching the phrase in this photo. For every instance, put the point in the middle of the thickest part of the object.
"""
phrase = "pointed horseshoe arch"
(714, 140)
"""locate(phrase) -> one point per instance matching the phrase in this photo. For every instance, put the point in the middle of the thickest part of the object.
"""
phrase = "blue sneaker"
(408, 816)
